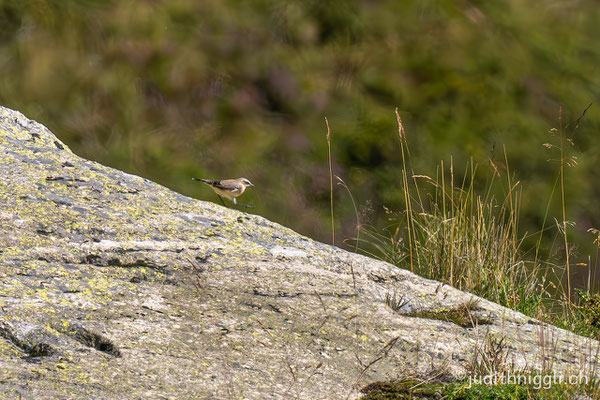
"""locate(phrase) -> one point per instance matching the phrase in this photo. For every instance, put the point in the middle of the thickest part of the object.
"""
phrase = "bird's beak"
(251, 184)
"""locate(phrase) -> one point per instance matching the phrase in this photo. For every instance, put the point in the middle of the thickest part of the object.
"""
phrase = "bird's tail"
(207, 181)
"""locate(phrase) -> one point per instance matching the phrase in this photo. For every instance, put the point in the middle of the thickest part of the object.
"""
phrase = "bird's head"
(246, 182)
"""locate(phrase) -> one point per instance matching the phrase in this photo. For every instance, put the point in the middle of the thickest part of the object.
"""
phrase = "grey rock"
(113, 286)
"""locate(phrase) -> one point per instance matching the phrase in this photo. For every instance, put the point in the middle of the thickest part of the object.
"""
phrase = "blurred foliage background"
(171, 89)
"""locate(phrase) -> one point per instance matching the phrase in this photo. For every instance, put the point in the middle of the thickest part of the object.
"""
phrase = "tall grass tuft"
(470, 241)
(450, 233)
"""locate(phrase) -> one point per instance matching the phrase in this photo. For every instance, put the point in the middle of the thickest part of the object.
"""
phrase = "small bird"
(229, 188)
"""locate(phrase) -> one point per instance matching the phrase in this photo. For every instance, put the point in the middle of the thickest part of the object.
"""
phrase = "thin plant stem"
(358, 222)
(330, 182)
(563, 204)
(407, 199)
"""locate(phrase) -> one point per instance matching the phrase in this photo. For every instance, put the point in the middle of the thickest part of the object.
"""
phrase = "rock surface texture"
(114, 287)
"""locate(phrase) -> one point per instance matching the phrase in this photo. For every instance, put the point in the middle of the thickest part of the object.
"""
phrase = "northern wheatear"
(229, 188)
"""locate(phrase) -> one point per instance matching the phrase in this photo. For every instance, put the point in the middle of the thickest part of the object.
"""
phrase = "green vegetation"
(464, 390)
(460, 315)
(586, 316)
(221, 88)
(407, 389)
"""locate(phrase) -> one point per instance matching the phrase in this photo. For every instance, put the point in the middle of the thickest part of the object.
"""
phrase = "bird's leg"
(220, 198)
(241, 204)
